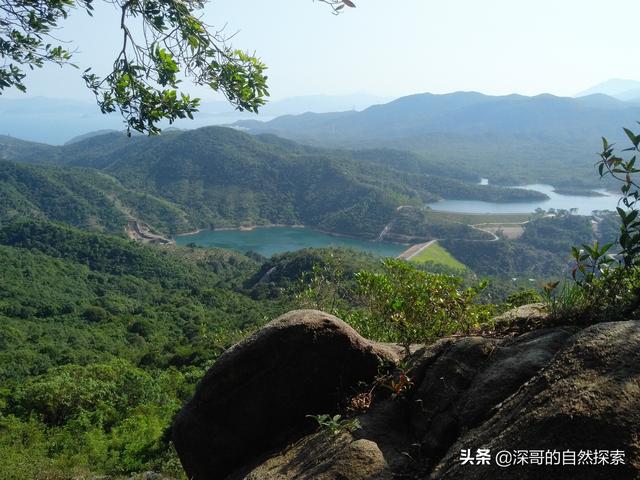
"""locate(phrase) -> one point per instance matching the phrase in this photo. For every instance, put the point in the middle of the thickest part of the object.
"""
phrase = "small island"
(578, 191)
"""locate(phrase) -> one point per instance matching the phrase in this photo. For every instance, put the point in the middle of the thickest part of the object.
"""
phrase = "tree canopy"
(162, 42)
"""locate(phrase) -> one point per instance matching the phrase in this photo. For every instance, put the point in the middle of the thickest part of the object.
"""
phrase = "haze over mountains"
(625, 90)
(387, 195)
(512, 139)
(56, 121)
(460, 113)
(509, 139)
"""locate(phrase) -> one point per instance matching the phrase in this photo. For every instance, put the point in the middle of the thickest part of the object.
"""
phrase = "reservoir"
(584, 204)
(271, 240)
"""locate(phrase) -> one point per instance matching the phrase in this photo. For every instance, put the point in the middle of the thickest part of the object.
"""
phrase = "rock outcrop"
(586, 399)
(553, 390)
(257, 396)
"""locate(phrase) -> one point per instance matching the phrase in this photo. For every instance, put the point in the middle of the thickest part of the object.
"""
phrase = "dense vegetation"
(102, 339)
(217, 177)
(395, 301)
(82, 197)
(288, 273)
(607, 275)
(412, 224)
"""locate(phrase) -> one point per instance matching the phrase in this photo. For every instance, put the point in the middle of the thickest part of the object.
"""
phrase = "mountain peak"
(619, 88)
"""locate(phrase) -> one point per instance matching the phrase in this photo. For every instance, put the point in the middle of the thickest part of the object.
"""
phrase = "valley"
(319, 240)
(221, 178)
(130, 265)
(216, 180)
(510, 139)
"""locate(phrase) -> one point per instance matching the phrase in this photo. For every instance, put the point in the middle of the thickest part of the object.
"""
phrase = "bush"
(522, 297)
(607, 277)
(96, 314)
(416, 306)
(104, 391)
(82, 422)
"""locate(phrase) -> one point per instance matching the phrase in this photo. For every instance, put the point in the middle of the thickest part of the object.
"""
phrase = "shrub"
(335, 424)
(607, 285)
(96, 314)
(418, 306)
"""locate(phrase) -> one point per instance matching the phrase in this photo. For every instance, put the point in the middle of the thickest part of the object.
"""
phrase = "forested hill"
(220, 177)
(81, 197)
(510, 139)
(465, 113)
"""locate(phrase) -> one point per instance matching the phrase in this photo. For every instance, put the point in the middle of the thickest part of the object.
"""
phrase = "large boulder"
(257, 396)
(475, 374)
(458, 383)
(587, 399)
(554, 389)
(324, 457)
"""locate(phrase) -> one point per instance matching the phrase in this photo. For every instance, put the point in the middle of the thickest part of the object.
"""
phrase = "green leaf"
(634, 139)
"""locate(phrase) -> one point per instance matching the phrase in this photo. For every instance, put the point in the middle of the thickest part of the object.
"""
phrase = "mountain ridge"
(511, 139)
(621, 89)
(220, 177)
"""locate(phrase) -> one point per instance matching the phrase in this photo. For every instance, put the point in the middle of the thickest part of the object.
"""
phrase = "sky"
(395, 48)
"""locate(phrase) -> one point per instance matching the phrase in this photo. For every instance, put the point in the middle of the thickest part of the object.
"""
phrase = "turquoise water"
(271, 240)
(584, 205)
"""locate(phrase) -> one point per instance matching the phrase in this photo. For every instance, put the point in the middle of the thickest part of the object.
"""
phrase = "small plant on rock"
(361, 402)
(607, 284)
(398, 381)
(335, 425)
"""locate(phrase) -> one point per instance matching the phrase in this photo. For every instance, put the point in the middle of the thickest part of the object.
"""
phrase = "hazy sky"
(397, 47)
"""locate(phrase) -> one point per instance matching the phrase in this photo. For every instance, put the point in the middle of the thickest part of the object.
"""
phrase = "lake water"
(272, 240)
(584, 204)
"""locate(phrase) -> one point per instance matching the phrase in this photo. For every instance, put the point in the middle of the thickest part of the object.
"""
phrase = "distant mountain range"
(57, 121)
(625, 90)
(462, 113)
(509, 139)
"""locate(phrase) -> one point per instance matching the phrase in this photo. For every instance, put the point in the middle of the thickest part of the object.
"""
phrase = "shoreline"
(250, 228)
(140, 232)
(411, 249)
(243, 228)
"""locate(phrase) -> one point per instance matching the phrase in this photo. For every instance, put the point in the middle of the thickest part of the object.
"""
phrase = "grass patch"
(437, 254)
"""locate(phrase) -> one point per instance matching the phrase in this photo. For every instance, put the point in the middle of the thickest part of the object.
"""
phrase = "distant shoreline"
(578, 192)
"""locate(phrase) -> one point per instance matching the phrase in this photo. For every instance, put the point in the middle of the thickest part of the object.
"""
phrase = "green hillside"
(103, 339)
(438, 255)
(542, 251)
(93, 289)
(509, 139)
(219, 177)
(82, 197)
